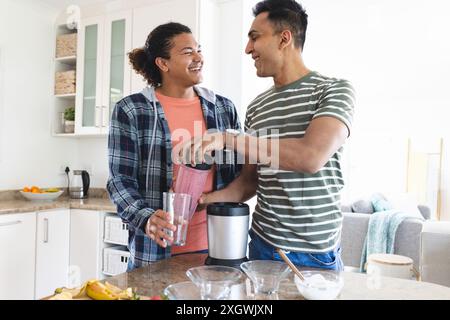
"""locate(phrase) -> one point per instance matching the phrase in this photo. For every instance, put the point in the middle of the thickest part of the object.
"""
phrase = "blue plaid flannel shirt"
(129, 141)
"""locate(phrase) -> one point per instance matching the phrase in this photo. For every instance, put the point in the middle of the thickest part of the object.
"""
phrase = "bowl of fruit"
(40, 194)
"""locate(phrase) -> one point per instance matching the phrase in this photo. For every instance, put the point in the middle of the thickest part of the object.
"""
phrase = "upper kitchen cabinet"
(102, 70)
(65, 60)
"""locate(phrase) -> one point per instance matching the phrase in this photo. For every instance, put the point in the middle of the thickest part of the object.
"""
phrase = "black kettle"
(80, 184)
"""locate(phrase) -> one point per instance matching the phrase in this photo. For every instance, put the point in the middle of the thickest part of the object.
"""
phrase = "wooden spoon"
(290, 264)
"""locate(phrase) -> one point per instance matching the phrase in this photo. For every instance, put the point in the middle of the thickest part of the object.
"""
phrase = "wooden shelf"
(65, 96)
(68, 59)
(79, 135)
(64, 135)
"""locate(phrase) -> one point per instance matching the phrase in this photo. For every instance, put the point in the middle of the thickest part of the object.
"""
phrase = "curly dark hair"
(158, 44)
(285, 14)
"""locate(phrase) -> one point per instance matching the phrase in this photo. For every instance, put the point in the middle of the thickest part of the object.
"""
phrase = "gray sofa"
(354, 230)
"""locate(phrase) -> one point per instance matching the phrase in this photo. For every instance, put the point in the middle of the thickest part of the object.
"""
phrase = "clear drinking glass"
(215, 282)
(265, 276)
(177, 205)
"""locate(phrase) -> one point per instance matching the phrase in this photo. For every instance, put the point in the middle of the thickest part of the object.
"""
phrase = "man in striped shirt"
(305, 118)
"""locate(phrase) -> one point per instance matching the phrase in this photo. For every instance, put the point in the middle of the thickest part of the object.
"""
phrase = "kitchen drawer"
(115, 231)
(115, 260)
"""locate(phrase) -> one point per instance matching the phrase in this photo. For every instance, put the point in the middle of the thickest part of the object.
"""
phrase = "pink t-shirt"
(187, 114)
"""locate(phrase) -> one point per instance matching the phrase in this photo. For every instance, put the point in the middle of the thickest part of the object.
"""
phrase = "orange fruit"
(35, 189)
(26, 189)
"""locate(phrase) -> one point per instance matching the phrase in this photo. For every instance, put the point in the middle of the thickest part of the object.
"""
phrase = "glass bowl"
(185, 290)
(320, 284)
(265, 276)
(215, 282)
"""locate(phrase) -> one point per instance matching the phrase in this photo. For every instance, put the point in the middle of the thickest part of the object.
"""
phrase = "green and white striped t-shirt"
(298, 211)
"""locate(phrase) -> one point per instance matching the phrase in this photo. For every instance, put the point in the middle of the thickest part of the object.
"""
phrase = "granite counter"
(151, 280)
(13, 202)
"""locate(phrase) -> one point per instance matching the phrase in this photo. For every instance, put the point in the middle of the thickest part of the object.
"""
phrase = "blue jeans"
(261, 250)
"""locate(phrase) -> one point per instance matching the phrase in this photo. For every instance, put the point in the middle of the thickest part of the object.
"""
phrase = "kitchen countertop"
(152, 280)
(13, 202)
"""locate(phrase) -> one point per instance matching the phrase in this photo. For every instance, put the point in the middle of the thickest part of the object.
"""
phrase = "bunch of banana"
(106, 291)
(94, 289)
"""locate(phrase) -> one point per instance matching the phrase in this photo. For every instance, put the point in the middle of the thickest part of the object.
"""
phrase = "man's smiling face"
(263, 46)
(186, 61)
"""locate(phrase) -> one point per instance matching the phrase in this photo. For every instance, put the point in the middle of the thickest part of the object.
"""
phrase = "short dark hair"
(158, 44)
(285, 14)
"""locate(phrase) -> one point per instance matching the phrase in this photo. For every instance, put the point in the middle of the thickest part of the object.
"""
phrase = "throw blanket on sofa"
(381, 233)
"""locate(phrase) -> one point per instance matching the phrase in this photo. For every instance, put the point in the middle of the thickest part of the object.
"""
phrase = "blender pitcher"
(191, 180)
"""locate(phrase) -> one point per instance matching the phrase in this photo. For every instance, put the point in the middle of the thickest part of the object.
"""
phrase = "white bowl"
(320, 284)
(45, 196)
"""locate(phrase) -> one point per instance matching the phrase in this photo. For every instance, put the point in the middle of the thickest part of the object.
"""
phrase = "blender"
(227, 224)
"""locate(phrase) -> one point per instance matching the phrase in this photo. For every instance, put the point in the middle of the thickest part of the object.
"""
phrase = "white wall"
(29, 154)
(92, 155)
(397, 57)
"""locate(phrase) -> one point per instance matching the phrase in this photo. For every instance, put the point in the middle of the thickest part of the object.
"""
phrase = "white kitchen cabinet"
(17, 256)
(65, 100)
(103, 71)
(52, 251)
(86, 245)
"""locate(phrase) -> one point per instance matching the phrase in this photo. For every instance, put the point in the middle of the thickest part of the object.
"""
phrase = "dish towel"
(381, 233)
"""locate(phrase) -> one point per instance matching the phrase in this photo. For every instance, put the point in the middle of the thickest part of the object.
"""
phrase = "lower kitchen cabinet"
(52, 251)
(86, 245)
(17, 255)
(45, 250)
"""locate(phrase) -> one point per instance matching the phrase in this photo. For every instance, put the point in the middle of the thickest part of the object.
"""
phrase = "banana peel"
(99, 291)
(70, 293)
(96, 290)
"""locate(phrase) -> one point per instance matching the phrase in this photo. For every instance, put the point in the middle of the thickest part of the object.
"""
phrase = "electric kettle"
(227, 227)
(79, 186)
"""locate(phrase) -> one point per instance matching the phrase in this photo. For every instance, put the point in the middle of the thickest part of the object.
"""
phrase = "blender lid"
(228, 209)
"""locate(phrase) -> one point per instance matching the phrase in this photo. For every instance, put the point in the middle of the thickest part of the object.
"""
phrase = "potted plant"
(69, 120)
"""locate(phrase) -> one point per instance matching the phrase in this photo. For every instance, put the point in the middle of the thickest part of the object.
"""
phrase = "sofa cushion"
(380, 203)
(362, 206)
(346, 208)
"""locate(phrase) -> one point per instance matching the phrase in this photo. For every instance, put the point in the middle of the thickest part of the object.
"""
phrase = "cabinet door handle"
(45, 230)
(98, 114)
(104, 116)
(5, 224)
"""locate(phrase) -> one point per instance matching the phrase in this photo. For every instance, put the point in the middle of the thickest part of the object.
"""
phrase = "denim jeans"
(261, 250)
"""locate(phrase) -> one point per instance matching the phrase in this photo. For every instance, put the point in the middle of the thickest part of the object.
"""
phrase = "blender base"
(235, 263)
